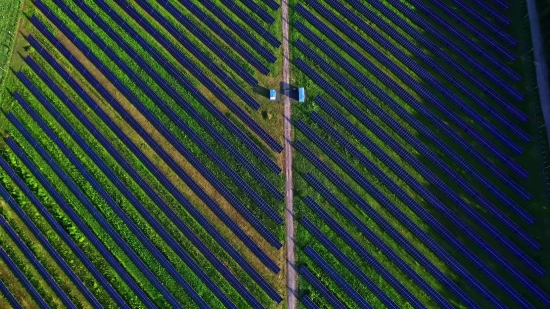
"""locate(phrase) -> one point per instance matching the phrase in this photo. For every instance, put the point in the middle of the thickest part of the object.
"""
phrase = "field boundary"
(5, 66)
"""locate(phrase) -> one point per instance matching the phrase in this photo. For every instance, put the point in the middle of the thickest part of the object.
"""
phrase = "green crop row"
(15, 287)
(94, 197)
(265, 81)
(519, 85)
(307, 190)
(531, 127)
(67, 224)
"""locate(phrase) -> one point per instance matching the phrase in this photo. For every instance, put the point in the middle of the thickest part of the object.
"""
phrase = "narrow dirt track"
(289, 198)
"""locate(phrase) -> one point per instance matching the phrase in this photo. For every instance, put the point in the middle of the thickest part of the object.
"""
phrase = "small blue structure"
(272, 95)
(301, 94)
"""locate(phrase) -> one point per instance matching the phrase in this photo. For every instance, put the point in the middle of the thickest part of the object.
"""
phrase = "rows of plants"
(533, 184)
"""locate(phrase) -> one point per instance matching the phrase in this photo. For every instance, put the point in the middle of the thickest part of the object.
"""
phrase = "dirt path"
(289, 198)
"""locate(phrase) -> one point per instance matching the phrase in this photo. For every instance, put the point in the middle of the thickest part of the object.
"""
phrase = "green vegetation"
(270, 124)
(40, 253)
(530, 160)
(9, 19)
(269, 116)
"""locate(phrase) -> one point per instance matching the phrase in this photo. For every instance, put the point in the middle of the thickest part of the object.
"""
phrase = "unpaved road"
(289, 198)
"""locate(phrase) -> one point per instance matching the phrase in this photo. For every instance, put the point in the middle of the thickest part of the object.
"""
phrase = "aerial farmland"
(274, 154)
